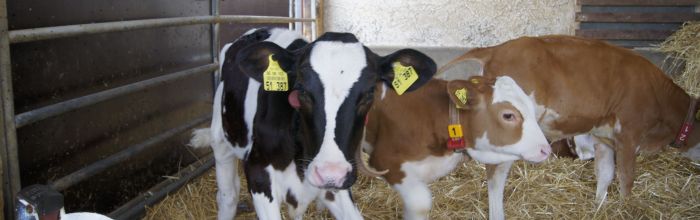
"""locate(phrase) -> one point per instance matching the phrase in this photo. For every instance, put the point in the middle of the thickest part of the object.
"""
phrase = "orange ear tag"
(456, 140)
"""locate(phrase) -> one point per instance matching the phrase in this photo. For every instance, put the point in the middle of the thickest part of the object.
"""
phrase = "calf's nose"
(331, 174)
(539, 154)
(545, 149)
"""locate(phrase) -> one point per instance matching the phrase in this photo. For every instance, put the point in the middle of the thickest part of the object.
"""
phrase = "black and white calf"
(297, 145)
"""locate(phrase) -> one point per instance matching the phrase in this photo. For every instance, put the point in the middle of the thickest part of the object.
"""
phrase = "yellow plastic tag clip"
(461, 94)
(455, 130)
(404, 77)
(274, 78)
(474, 81)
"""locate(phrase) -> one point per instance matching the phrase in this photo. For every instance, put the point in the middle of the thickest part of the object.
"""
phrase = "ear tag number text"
(455, 131)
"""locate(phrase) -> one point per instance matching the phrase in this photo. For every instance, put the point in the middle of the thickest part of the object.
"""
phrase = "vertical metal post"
(215, 45)
(577, 24)
(8, 150)
(319, 18)
(298, 26)
(291, 14)
(305, 31)
(312, 7)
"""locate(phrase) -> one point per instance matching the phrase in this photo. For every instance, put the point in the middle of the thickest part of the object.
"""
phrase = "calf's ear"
(255, 59)
(406, 70)
(467, 94)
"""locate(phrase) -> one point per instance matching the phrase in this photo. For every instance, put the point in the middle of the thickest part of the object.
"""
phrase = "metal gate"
(89, 118)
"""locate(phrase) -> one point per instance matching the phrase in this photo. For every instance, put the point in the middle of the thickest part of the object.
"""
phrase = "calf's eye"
(508, 116)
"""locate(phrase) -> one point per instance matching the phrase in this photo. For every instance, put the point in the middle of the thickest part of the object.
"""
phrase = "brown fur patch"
(291, 199)
(563, 148)
(330, 196)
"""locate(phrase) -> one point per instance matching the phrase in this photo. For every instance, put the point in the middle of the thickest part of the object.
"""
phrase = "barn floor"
(667, 187)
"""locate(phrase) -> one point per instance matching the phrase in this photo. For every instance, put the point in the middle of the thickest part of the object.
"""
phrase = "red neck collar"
(687, 126)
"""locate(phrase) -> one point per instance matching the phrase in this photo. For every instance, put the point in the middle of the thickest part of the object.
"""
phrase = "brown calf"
(591, 87)
(407, 136)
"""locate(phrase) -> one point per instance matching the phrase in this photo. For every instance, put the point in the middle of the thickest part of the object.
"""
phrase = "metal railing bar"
(230, 19)
(129, 152)
(137, 206)
(69, 105)
(44, 33)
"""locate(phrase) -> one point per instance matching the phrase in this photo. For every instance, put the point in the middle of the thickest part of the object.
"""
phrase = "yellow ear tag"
(474, 81)
(455, 130)
(461, 94)
(274, 78)
(404, 77)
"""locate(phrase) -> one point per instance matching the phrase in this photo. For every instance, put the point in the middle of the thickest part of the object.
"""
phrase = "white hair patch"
(339, 65)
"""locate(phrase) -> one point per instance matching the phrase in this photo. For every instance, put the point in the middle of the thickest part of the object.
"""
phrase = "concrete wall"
(454, 23)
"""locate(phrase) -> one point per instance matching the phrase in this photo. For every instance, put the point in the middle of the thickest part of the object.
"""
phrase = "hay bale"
(684, 46)
(667, 187)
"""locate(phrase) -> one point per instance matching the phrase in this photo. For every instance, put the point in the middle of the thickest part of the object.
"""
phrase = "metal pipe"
(65, 106)
(295, 12)
(313, 16)
(319, 18)
(44, 33)
(137, 206)
(129, 152)
(291, 13)
(230, 19)
(11, 184)
(216, 77)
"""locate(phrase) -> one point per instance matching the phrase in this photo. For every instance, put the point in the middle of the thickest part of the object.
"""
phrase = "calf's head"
(500, 119)
(332, 86)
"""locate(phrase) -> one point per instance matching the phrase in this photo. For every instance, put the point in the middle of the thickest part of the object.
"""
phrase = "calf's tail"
(364, 168)
(200, 138)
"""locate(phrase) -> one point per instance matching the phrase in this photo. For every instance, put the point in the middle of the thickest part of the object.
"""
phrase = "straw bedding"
(684, 46)
(667, 187)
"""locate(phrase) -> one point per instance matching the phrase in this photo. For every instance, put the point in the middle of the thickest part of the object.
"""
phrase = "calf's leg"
(340, 204)
(304, 194)
(265, 208)
(604, 170)
(229, 186)
(625, 165)
(417, 198)
(625, 161)
(497, 175)
(227, 181)
(260, 185)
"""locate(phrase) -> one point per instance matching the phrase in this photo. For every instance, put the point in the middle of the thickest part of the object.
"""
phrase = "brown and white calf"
(591, 87)
(407, 136)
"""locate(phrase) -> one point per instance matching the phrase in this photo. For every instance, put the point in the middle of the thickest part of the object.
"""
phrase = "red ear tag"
(294, 99)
